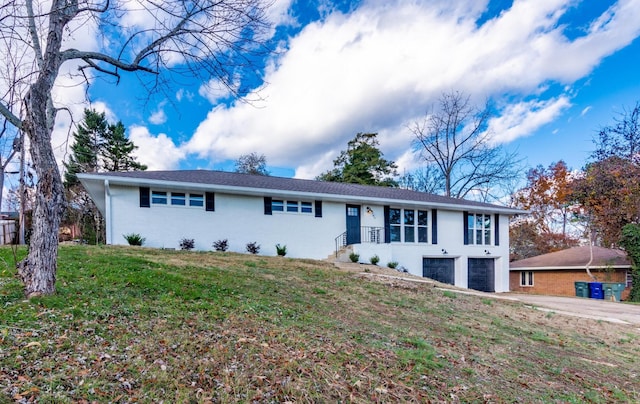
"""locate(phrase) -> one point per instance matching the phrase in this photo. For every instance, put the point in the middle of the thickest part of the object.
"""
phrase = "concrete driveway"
(621, 313)
(581, 307)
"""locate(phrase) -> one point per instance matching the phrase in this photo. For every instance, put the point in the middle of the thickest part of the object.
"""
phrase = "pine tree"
(86, 148)
(98, 146)
(116, 154)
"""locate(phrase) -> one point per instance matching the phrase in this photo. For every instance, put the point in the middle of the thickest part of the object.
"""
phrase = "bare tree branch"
(455, 138)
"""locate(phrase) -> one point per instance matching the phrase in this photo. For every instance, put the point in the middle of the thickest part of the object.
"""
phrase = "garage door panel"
(481, 274)
(439, 269)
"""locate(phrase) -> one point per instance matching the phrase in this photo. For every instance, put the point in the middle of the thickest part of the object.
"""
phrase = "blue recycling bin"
(595, 290)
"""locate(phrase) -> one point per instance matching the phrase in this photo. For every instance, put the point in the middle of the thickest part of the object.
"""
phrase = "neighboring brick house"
(556, 273)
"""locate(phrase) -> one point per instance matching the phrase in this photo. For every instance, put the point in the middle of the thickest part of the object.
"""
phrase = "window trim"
(178, 198)
(401, 227)
(196, 198)
(292, 207)
(527, 279)
(471, 234)
(157, 196)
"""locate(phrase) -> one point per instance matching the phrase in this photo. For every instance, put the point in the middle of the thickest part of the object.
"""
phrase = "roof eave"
(255, 191)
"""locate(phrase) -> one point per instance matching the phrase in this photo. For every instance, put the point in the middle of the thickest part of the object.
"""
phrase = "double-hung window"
(423, 223)
(526, 278)
(395, 225)
(158, 197)
(292, 206)
(277, 205)
(408, 225)
(179, 198)
(479, 229)
(196, 200)
(306, 207)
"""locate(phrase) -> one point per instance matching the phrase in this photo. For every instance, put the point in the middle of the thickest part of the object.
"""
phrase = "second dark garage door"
(439, 269)
(482, 274)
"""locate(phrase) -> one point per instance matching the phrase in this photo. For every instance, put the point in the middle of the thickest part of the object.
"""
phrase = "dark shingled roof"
(231, 179)
(575, 257)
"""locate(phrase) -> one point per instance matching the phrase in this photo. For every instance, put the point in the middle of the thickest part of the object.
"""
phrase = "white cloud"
(278, 13)
(585, 110)
(159, 116)
(157, 152)
(384, 65)
(521, 119)
(184, 94)
(214, 90)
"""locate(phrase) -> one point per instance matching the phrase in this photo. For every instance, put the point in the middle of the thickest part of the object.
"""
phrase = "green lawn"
(145, 325)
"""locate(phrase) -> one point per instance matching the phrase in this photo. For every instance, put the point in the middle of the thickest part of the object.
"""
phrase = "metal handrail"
(341, 241)
(369, 234)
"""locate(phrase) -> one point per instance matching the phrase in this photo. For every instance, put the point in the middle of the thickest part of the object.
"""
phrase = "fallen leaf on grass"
(33, 343)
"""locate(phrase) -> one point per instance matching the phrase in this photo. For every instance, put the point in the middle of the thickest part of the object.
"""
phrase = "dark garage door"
(439, 269)
(482, 274)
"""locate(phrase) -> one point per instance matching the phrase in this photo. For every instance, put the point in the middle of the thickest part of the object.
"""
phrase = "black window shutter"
(210, 202)
(145, 197)
(387, 226)
(497, 229)
(434, 226)
(267, 205)
(465, 220)
(318, 208)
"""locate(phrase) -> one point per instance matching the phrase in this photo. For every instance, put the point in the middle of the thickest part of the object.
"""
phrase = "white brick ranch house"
(455, 241)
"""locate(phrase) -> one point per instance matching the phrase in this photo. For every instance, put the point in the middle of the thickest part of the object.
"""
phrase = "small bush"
(187, 244)
(392, 264)
(281, 250)
(253, 247)
(221, 245)
(374, 260)
(134, 239)
(354, 257)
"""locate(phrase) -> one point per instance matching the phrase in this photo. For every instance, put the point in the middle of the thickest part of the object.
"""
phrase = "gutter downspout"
(107, 212)
(593, 278)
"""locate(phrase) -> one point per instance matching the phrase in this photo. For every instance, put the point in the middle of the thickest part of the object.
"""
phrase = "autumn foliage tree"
(547, 198)
(609, 190)
(609, 193)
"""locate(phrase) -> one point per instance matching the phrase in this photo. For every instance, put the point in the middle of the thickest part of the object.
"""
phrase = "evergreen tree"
(116, 154)
(86, 148)
(362, 163)
(97, 146)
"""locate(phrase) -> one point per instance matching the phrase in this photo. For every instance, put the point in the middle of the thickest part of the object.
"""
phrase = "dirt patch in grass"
(143, 325)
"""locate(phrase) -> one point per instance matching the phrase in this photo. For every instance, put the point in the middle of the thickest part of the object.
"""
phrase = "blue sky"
(557, 71)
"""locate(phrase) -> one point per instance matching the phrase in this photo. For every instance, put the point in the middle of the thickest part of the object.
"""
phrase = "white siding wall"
(240, 219)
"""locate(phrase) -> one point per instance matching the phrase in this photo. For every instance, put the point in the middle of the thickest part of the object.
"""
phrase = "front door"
(353, 224)
(482, 274)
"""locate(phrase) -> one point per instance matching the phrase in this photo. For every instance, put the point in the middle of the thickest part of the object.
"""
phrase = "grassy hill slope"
(144, 325)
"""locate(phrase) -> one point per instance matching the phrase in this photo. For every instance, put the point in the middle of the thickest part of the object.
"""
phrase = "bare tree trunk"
(38, 269)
